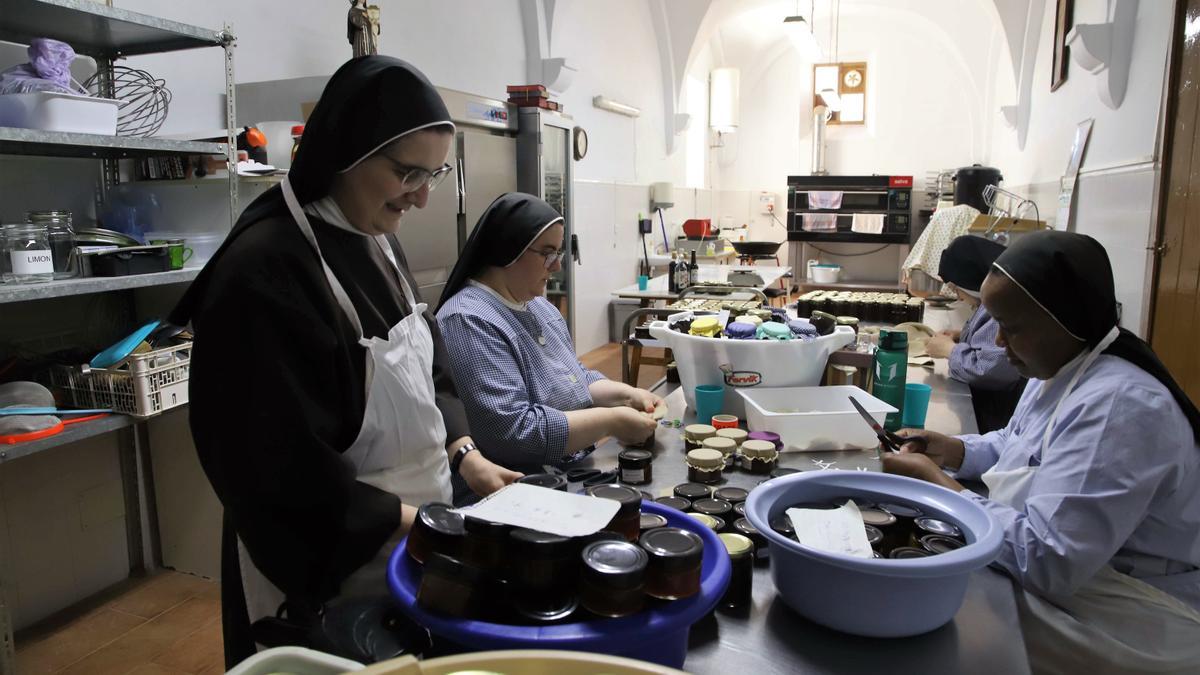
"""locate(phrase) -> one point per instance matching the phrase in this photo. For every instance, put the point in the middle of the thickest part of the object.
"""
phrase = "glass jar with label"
(29, 253)
(61, 235)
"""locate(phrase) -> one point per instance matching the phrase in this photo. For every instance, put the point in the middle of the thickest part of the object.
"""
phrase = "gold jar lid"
(706, 458)
(723, 445)
(749, 318)
(756, 449)
(698, 432)
(709, 522)
(737, 545)
(738, 436)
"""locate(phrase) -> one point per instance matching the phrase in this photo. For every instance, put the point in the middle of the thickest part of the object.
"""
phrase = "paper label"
(833, 531)
(633, 475)
(545, 510)
(32, 262)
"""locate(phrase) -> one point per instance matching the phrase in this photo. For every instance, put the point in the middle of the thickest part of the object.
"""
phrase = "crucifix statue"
(362, 27)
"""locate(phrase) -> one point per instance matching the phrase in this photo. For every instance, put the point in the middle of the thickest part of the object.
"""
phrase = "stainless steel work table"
(984, 636)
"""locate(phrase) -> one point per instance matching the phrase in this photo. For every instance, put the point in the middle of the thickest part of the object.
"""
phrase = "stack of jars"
(893, 308)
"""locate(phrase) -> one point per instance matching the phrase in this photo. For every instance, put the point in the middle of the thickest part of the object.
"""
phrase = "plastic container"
(53, 111)
(203, 244)
(518, 662)
(743, 365)
(142, 385)
(814, 418)
(864, 596)
(825, 274)
(658, 634)
(296, 660)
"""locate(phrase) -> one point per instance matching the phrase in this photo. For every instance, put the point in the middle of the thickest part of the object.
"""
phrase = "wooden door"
(1176, 310)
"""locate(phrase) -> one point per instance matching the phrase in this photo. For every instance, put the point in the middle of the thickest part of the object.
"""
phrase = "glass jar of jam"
(768, 436)
(449, 587)
(726, 446)
(543, 584)
(714, 524)
(738, 436)
(937, 544)
(694, 435)
(717, 508)
(705, 466)
(486, 545)
(613, 578)
(627, 521)
(874, 536)
(673, 569)
(651, 521)
(885, 523)
(553, 481)
(925, 526)
(692, 491)
(675, 502)
(740, 591)
(783, 525)
(733, 495)
(759, 456)
(907, 553)
(906, 516)
(436, 529)
(743, 527)
(635, 466)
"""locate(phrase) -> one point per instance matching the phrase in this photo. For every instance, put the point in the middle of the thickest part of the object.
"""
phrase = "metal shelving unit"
(107, 34)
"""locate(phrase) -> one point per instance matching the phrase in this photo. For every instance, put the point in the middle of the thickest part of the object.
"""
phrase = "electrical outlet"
(766, 203)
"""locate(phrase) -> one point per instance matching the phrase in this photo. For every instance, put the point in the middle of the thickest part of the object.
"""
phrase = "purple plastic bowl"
(658, 635)
(867, 596)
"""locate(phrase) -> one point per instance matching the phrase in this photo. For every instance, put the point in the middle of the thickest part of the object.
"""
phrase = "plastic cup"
(916, 404)
(709, 400)
(643, 282)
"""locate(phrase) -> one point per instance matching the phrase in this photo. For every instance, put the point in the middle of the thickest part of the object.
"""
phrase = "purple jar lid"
(802, 327)
(769, 436)
(739, 330)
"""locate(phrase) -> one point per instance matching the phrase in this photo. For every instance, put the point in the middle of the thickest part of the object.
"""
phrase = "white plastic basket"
(142, 385)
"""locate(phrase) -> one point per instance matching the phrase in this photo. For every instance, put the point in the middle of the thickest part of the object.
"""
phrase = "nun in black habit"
(321, 408)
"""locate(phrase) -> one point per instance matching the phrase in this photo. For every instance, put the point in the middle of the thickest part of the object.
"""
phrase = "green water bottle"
(891, 370)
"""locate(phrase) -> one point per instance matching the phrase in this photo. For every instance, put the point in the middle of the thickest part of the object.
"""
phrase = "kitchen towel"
(867, 223)
(819, 222)
(826, 199)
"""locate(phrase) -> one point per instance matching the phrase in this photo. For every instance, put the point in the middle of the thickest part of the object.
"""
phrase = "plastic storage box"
(51, 111)
(814, 418)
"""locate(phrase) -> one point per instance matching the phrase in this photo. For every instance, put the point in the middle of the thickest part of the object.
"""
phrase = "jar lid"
(692, 491)
(710, 522)
(907, 552)
(769, 436)
(485, 528)
(723, 445)
(774, 331)
(553, 481)
(738, 436)
(698, 432)
(731, 494)
(706, 458)
(877, 517)
(874, 534)
(783, 525)
(651, 521)
(712, 507)
(761, 313)
(936, 544)
(680, 503)
(636, 456)
(740, 508)
(901, 510)
(673, 548)
(630, 499)
(452, 568)
(745, 527)
(533, 544)
(705, 326)
(756, 449)
(750, 319)
(615, 564)
(935, 526)
(783, 471)
(737, 545)
(847, 321)
(547, 607)
(440, 518)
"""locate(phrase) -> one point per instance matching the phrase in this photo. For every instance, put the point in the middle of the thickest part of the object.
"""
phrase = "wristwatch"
(456, 460)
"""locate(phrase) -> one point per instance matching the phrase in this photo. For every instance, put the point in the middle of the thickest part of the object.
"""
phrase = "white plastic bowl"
(814, 418)
(865, 596)
(826, 274)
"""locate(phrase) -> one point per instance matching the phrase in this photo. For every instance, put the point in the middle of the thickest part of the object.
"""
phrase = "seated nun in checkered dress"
(529, 400)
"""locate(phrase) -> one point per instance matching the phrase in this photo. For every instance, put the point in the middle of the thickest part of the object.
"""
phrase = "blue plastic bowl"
(873, 597)
(658, 635)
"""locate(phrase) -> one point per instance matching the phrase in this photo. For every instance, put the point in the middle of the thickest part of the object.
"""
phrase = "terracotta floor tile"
(149, 640)
(161, 593)
(75, 640)
(197, 652)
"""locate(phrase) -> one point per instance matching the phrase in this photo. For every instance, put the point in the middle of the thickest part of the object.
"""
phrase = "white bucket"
(741, 364)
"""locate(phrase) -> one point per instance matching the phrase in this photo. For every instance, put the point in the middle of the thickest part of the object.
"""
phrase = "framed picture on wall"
(1062, 53)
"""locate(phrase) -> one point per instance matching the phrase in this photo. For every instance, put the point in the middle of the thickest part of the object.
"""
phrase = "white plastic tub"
(747, 364)
(294, 660)
(826, 274)
(814, 418)
(51, 111)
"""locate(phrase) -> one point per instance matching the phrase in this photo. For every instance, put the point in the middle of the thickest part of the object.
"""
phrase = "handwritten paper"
(544, 510)
(832, 530)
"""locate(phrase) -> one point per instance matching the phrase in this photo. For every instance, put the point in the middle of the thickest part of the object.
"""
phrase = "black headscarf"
(368, 103)
(967, 261)
(1069, 275)
(505, 230)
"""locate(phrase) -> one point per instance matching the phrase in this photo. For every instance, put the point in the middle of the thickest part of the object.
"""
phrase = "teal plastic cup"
(916, 405)
(643, 282)
(710, 399)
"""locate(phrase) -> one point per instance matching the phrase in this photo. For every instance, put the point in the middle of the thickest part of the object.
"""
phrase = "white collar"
(514, 306)
(328, 210)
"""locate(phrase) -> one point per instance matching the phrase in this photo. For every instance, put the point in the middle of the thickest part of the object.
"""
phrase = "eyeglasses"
(552, 256)
(413, 177)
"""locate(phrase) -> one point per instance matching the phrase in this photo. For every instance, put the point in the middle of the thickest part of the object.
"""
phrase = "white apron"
(1114, 623)
(401, 446)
